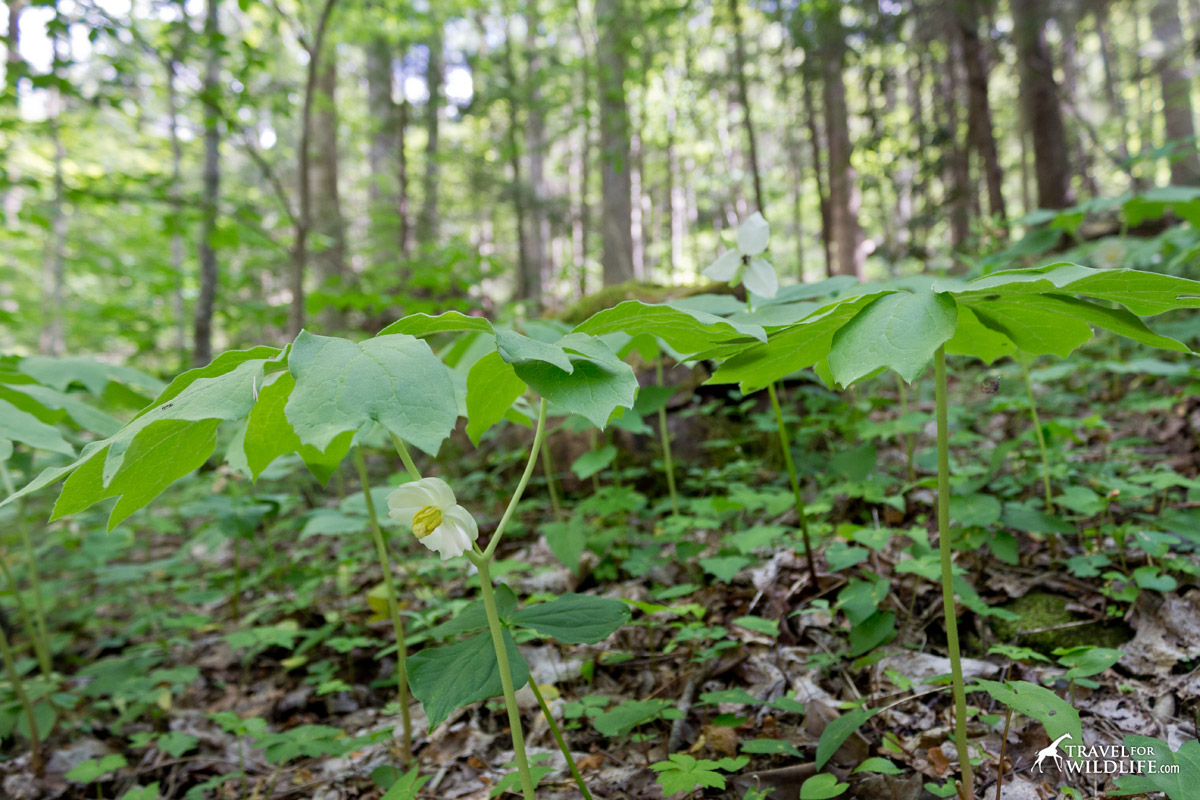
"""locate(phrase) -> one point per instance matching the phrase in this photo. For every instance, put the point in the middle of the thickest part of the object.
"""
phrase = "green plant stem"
(413, 472)
(666, 444)
(538, 437)
(943, 517)
(482, 563)
(14, 677)
(786, 445)
(551, 483)
(393, 607)
(558, 737)
(1041, 437)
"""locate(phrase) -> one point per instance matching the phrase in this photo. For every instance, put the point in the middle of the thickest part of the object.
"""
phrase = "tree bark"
(535, 133)
(303, 221)
(743, 93)
(428, 218)
(979, 110)
(176, 196)
(51, 340)
(843, 185)
(617, 213)
(385, 225)
(528, 278)
(329, 254)
(1116, 104)
(1052, 163)
(583, 215)
(957, 170)
(1178, 114)
(814, 141)
(206, 252)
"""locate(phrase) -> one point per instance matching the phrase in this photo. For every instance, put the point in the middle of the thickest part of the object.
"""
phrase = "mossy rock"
(1037, 611)
(610, 296)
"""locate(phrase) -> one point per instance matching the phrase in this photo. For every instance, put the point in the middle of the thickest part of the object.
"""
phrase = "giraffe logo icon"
(1050, 751)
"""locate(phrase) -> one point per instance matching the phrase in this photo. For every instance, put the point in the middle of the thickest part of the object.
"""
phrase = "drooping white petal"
(441, 492)
(407, 500)
(753, 235)
(449, 540)
(724, 268)
(759, 277)
(463, 519)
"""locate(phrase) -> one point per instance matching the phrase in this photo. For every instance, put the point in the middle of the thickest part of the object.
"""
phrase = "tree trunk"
(535, 133)
(385, 225)
(1176, 92)
(979, 110)
(617, 214)
(51, 340)
(1052, 164)
(529, 283)
(843, 184)
(1112, 77)
(957, 170)
(303, 221)
(427, 219)
(176, 196)
(329, 254)
(743, 93)
(814, 140)
(207, 255)
(583, 215)
(13, 67)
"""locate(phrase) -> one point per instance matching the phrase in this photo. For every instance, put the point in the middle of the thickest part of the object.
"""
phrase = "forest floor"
(202, 649)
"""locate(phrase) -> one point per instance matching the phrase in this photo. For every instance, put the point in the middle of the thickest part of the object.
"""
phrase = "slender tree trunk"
(385, 226)
(303, 222)
(814, 141)
(843, 184)
(13, 66)
(403, 198)
(1052, 163)
(957, 175)
(617, 218)
(1178, 113)
(676, 191)
(743, 94)
(51, 341)
(539, 222)
(176, 195)
(329, 255)
(206, 252)
(979, 110)
(583, 215)
(1116, 103)
(428, 218)
(529, 284)
(1068, 24)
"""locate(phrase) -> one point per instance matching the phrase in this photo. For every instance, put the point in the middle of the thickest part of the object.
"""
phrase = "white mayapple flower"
(429, 507)
(744, 264)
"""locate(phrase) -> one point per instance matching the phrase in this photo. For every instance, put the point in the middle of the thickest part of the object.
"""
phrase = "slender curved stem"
(41, 639)
(1039, 434)
(413, 472)
(558, 737)
(909, 441)
(538, 437)
(393, 607)
(786, 446)
(26, 620)
(943, 516)
(666, 444)
(482, 563)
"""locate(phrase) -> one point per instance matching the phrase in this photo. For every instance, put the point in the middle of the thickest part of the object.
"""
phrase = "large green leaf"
(1037, 702)
(898, 331)
(269, 435)
(1143, 293)
(48, 405)
(449, 322)
(596, 385)
(790, 350)
(394, 380)
(1034, 330)
(21, 426)
(574, 618)
(516, 348)
(93, 375)
(492, 388)
(166, 451)
(973, 338)
(444, 678)
(684, 330)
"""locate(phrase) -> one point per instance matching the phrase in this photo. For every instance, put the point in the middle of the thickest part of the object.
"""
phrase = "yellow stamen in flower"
(426, 521)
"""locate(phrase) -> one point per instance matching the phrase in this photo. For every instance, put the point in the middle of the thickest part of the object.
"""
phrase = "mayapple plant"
(1049, 310)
